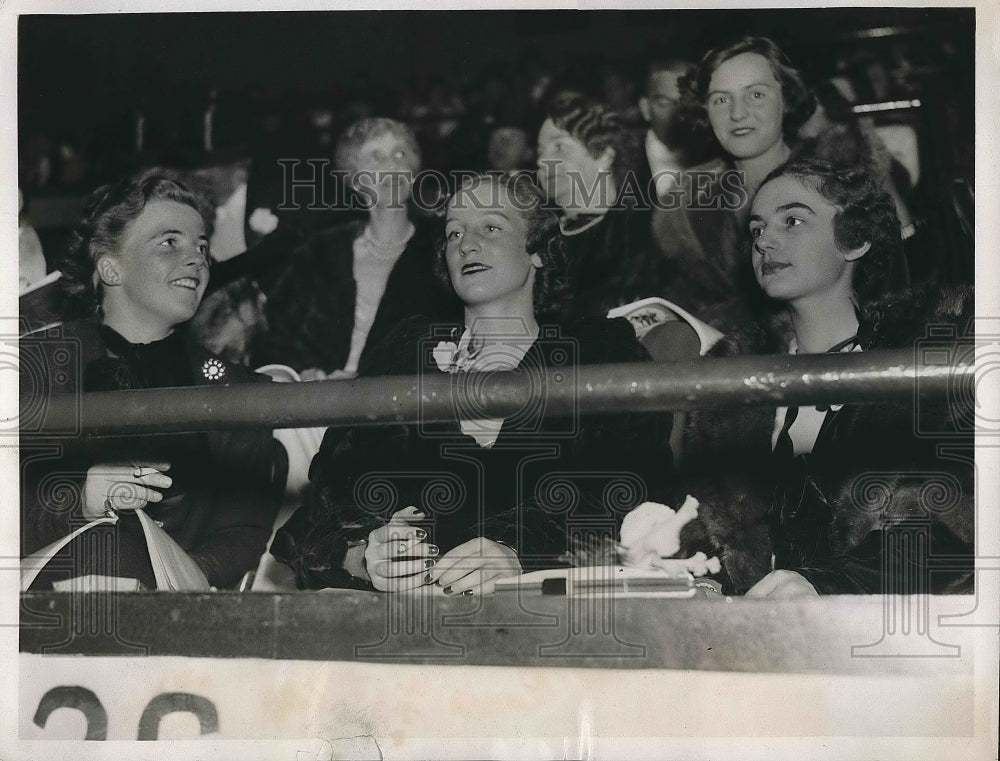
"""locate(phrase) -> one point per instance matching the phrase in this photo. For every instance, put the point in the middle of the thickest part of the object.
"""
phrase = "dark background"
(286, 83)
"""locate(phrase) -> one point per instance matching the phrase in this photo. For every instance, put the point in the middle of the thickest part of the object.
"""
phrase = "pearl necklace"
(581, 228)
(383, 249)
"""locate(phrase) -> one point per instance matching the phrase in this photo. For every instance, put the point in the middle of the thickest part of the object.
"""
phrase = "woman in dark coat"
(751, 101)
(590, 167)
(820, 499)
(138, 264)
(465, 502)
(342, 290)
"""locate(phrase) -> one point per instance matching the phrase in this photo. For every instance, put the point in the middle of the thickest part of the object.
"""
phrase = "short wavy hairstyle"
(551, 286)
(865, 215)
(598, 128)
(360, 132)
(107, 214)
(799, 101)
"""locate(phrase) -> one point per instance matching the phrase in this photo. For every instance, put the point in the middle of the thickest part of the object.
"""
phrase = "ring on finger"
(137, 473)
(401, 548)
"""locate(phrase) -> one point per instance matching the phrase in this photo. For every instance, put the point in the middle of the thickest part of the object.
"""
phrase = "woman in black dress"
(138, 266)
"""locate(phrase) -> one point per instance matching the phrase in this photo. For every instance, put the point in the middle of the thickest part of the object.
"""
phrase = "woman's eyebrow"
(741, 87)
(795, 205)
(161, 233)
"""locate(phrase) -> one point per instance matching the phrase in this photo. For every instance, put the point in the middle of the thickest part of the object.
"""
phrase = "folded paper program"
(173, 568)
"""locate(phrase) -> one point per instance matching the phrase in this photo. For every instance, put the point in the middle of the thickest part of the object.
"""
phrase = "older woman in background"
(591, 168)
(347, 286)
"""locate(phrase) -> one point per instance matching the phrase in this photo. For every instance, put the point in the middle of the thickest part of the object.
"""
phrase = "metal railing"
(435, 396)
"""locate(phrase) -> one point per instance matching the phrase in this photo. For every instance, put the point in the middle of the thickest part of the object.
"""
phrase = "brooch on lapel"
(213, 369)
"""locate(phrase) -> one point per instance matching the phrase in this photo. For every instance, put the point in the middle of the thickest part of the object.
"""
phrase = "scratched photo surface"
(286, 521)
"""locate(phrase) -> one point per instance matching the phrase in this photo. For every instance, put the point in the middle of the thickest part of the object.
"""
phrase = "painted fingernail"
(427, 578)
(433, 550)
(468, 593)
(429, 563)
(447, 590)
(421, 534)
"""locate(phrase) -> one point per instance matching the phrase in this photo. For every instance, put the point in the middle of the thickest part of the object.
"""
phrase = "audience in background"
(509, 149)
(30, 257)
(669, 147)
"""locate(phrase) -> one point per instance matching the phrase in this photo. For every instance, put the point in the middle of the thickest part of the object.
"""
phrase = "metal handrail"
(433, 397)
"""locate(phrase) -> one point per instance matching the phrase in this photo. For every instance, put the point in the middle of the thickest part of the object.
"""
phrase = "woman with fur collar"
(800, 501)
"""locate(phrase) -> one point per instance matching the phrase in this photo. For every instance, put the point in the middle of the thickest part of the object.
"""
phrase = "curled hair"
(865, 214)
(598, 128)
(360, 132)
(544, 238)
(106, 215)
(799, 102)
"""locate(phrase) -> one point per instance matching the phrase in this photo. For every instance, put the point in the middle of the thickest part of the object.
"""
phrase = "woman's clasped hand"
(399, 558)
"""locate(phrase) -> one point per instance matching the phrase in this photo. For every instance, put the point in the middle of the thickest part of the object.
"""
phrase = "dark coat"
(874, 470)
(697, 230)
(545, 481)
(220, 508)
(612, 263)
(310, 308)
